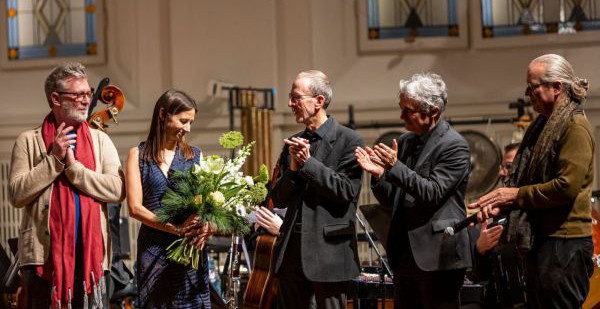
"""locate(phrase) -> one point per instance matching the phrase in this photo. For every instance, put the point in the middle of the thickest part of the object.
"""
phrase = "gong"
(486, 159)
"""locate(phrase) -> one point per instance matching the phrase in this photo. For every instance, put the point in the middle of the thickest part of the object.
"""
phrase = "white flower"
(217, 197)
(240, 210)
(196, 168)
(212, 164)
(249, 181)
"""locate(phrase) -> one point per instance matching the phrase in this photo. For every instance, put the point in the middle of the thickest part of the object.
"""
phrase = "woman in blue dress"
(162, 283)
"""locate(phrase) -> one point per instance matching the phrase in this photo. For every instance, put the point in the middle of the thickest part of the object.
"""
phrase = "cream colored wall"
(153, 45)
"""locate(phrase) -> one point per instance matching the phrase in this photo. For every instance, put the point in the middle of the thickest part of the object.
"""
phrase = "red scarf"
(60, 267)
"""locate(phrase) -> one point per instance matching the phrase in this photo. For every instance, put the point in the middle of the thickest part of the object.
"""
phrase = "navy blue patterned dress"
(162, 283)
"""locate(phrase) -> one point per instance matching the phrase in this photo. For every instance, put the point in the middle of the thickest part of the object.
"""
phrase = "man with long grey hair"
(550, 186)
(423, 177)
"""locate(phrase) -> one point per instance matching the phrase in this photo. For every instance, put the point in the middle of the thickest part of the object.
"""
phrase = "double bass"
(110, 95)
(114, 98)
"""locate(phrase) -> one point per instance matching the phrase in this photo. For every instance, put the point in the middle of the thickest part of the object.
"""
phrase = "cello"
(262, 285)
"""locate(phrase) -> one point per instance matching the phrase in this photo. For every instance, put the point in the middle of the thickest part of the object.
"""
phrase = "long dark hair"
(172, 103)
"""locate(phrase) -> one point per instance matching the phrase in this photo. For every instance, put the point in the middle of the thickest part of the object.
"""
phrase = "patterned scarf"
(534, 163)
(60, 267)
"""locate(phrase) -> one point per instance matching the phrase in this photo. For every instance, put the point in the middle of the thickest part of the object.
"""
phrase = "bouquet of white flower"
(218, 192)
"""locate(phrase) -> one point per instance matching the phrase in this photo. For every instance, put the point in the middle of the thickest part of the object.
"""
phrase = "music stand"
(379, 219)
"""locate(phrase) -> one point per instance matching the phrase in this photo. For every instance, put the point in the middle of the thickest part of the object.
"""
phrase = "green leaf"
(231, 140)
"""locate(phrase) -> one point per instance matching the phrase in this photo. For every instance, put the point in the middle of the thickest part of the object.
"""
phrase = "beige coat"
(32, 174)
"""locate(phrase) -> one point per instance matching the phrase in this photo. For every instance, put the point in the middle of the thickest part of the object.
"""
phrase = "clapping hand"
(388, 156)
(62, 142)
(376, 161)
(299, 149)
(369, 161)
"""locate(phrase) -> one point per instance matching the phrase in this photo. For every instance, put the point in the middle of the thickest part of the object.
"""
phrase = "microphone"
(457, 227)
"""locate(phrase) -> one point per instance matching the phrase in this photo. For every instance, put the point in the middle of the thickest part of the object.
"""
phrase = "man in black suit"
(319, 183)
(423, 177)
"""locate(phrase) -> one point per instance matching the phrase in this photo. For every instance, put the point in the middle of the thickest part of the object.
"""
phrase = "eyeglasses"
(533, 87)
(506, 166)
(297, 98)
(78, 96)
(409, 111)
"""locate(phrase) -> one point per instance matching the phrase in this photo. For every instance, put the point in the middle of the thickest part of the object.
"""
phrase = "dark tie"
(397, 233)
(313, 139)
(416, 149)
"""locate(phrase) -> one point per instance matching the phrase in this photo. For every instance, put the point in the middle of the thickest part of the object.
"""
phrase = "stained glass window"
(407, 21)
(411, 18)
(46, 29)
(506, 18)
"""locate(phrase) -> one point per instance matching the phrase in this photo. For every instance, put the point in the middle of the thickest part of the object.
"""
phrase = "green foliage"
(217, 192)
(231, 140)
(263, 174)
(258, 193)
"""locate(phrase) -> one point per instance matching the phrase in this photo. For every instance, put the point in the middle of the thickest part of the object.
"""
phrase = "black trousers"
(121, 278)
(558, 272)
(297, 292)
(415, 288)
(36, 291)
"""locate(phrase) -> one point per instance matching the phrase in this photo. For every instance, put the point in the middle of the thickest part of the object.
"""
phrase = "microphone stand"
(385, 267)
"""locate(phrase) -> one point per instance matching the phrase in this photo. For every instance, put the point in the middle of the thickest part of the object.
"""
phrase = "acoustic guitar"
(262, 285)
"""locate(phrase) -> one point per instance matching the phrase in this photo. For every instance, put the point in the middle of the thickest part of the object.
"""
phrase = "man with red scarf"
(62, 174)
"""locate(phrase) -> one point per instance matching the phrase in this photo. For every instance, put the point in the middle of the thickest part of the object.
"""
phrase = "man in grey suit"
(423, 177)
(319, 182)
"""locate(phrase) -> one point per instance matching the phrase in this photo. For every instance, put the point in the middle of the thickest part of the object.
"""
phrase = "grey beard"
(76, 117)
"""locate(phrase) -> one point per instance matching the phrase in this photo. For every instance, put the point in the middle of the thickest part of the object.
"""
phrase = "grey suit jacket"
(327, 189)
(430, 198)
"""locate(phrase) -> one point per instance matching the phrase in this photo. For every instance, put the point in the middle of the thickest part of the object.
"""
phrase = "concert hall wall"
(154, 45)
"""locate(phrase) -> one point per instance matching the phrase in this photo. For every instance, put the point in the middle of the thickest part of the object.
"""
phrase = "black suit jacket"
(327, 189)
(429, 199)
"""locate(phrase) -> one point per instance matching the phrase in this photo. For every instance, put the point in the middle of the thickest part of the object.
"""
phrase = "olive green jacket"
(561, 207)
